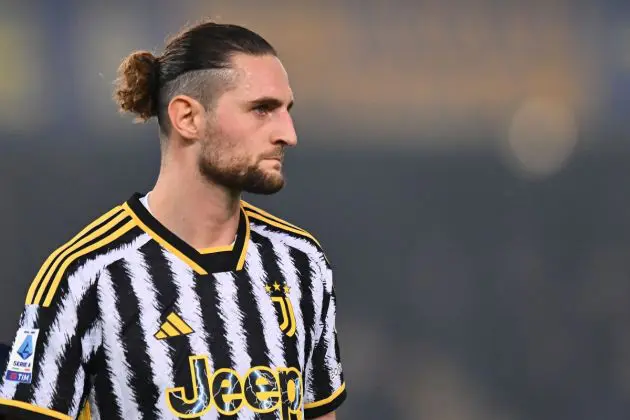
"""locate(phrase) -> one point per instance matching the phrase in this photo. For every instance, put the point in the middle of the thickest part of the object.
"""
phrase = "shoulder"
(276, 229)
(84, 254)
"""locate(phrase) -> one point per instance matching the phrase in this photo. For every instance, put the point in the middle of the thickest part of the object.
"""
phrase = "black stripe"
(272, 268)
(108, 405)
(74, 252)
(252, 322)
(306, 279)
(71, 360)
(21, 413)
(315, 412)
(66, 246)
(135, 349)
(217, 262)
(322, 382)
(205, 287)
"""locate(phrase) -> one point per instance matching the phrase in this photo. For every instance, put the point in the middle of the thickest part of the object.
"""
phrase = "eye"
(262, 109)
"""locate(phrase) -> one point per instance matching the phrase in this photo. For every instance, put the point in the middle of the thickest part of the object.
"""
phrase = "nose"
(286, 131)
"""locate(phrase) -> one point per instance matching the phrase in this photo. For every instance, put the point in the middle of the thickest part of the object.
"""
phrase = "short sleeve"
(47, 369)
(325, 385)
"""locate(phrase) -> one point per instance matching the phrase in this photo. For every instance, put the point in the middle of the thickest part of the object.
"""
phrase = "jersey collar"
(205, 261)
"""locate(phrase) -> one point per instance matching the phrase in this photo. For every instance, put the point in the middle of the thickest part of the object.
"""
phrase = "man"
(188, 302)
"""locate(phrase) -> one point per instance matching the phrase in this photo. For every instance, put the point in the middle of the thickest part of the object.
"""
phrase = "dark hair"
(146, 83)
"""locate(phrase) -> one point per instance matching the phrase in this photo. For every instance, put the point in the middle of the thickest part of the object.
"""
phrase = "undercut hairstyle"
(196, 62)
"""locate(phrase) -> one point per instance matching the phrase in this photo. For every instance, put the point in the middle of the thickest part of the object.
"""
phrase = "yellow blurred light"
(541, 137)
(20, 76)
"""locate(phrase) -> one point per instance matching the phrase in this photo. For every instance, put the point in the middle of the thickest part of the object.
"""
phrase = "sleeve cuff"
(28, 411)
(322, 407)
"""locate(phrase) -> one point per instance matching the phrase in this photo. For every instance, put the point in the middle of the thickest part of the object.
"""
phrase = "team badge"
(280, 297)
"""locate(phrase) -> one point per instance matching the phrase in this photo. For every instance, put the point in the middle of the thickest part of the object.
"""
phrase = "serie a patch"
(20, 367)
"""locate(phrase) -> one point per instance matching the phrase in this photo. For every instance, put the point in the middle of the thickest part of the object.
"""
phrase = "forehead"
(260, 76)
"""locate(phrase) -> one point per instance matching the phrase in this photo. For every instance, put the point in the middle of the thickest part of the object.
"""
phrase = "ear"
(187, 117)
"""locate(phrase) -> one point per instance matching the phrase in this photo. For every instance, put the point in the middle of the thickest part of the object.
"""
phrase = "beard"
(236, 174)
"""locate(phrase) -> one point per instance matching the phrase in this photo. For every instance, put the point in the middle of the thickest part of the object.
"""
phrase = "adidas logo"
(172, 327)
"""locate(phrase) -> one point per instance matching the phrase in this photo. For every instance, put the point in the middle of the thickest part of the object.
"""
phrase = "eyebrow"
(271, 101)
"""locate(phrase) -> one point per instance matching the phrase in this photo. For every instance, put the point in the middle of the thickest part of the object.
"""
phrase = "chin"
(264, 189)
(267, 185)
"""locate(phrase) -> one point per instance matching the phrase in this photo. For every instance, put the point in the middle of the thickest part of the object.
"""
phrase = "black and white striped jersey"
(127, 321)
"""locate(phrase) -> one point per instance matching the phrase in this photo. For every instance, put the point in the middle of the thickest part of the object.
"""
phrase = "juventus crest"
(280, 298)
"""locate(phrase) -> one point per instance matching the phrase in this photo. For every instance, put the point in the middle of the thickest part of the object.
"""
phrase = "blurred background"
(463, 162)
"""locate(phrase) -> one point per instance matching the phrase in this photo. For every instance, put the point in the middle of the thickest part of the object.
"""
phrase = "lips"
(274, 157)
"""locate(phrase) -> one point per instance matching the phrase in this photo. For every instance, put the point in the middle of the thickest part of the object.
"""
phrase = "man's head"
(222, 98)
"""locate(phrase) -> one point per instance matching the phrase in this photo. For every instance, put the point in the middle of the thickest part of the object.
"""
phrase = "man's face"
(249, 128)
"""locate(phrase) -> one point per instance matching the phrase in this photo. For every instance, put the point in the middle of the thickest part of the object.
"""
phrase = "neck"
(201, 213)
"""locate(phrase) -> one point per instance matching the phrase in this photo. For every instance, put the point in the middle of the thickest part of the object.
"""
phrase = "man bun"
(136, 88)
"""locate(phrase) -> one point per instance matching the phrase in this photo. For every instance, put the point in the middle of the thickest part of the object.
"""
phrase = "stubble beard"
(235, 174)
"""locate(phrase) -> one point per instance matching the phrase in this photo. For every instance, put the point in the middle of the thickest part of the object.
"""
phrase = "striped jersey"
(128, 321)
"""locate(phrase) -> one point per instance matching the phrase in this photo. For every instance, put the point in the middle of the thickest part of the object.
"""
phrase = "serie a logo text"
(261, 389)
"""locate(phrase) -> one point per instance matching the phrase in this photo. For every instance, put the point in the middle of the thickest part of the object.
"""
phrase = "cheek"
(237, 126)
(242, 133)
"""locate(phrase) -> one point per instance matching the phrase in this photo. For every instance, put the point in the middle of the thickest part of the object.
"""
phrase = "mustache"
(277, 154)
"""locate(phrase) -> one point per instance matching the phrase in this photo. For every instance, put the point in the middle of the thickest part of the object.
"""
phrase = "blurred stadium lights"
(541, 137)
(423, 75)
(21, 76)
(108, 34)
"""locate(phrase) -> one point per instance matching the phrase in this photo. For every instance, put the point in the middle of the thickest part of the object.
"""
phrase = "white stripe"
(29, 316)
(232, 318)
(114, 344)
(91, 342)
(158, 351)
(190, 311)
(27, 320)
